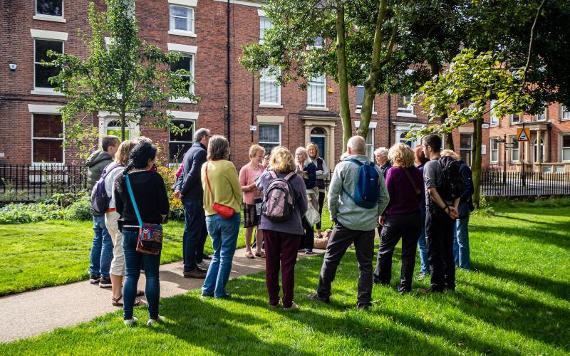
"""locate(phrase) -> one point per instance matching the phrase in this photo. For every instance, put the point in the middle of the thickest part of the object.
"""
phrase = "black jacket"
(465, 202)
(191, 185)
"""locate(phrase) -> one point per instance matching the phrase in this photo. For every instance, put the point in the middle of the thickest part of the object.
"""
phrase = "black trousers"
(439, 238)
(321, 203)
(408, 228)
(340, 240)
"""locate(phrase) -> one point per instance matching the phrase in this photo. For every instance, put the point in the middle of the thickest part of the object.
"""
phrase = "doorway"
(318, 137)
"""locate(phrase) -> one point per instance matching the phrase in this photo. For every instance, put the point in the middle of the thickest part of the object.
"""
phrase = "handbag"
(226, 212)
(149, 239)
(312, 215)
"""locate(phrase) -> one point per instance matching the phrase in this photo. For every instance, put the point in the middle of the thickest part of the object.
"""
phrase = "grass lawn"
(518, 303)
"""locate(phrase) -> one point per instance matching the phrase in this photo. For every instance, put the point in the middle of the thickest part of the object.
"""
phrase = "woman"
(248, 174)
(282, 239)
(150, 196)
(402, 217)
(221, 185)
(420, 160)
(117, 271)
(322, 174)
(306, 169)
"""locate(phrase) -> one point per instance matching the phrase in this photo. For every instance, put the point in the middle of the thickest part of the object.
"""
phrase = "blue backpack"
(366, 190)
(99, 198)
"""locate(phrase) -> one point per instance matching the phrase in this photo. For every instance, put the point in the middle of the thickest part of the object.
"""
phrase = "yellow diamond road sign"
(523, 134)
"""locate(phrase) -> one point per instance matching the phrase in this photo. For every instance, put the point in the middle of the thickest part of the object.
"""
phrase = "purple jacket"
(403, 197)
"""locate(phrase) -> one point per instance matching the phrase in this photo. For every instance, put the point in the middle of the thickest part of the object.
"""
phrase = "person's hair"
(381, 151)
(281, 160)
(302, 150)
(433, 141)
(420, 156)
(401, 155)
(218, 148)
(449, 153)
(313, 145)
(357, 144)
(200, 134)
(254, 149)
(108, 141)
(141, 153)
(122, 155)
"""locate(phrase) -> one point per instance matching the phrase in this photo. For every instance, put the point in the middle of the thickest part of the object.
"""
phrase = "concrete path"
(35, 312)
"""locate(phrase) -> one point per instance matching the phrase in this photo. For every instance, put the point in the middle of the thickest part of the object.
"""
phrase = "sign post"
(523, 135)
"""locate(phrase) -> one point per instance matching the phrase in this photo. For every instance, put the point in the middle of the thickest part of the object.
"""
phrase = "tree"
(461, 93)
(122, 74)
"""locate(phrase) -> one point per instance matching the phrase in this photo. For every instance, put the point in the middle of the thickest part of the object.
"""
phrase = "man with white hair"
(381, 158)
(357, 197)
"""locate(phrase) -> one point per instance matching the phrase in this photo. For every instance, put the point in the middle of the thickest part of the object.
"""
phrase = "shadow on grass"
(540, 234)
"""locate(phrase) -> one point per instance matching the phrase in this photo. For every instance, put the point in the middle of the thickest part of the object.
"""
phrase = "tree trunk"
(476, 165)
(375, 65)
(123, 124)
(342, 76)
(449, 141)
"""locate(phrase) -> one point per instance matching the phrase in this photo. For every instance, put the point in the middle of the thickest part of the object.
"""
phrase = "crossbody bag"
(226, 212)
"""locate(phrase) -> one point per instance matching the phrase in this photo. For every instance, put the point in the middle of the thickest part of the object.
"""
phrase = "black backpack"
(99, 198)
(452, 184)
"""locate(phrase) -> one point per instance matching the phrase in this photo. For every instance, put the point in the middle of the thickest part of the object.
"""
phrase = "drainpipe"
(228, 72)
(389, 120)
(252, 104)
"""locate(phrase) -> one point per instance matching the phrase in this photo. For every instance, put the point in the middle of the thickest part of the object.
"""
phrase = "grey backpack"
(278, 199)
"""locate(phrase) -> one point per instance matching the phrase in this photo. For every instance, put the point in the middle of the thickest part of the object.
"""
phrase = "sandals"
(249, 254)
(117, 303)
(260, 254)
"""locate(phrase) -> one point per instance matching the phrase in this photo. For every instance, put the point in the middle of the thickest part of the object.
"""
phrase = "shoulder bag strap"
(418, 192)
(208, 180)
(133, 201)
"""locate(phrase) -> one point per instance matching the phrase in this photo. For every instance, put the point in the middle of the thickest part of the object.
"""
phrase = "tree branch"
(532, 33)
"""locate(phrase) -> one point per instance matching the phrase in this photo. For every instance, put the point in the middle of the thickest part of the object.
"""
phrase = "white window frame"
(186, 51)
(44, 90)
(34, 163)
(537, 149)
(106, 117)
(315, 86)
(512, 118)
(173, 31)
(51, 18)
(493, 119)
(564, 113)
(280, 127)
(469, 150)
(264, 25)
(493, 151)
(46, 36)
(189, 118)
(407, 110)
(545, 117)
(562, 147)
(518, 149)
(269, 79)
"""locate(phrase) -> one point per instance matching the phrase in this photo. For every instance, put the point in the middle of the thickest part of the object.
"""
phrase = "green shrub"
(79, 210)
(27, 213)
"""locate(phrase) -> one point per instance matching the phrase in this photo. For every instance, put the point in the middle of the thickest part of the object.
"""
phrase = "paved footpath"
(35, 312)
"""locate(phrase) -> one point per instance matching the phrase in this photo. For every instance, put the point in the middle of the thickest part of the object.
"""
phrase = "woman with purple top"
(402, 217)
(282, 239)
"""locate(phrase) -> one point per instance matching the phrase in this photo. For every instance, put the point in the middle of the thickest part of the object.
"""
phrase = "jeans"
(395, 227)
(134, 261)
(340, 240)
(194, 234)
(439, 234)
(102, 249)
(224, 233)
(280, 251)
(422, 244)
(461, 243)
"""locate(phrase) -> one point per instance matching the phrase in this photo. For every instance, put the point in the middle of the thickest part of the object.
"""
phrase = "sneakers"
(293, 307)
(363, 306)
(317, 298)
(105, 282)
(195, 273)
(309, 252)
(152, 322)
(94, 279)
(130, 322)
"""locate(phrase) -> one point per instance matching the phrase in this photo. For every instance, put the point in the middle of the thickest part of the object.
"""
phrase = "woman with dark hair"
(222, 195)
(150, 196)
(420, 160)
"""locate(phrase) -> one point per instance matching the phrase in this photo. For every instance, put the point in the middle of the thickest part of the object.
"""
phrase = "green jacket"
(343, 208)
(95, 165)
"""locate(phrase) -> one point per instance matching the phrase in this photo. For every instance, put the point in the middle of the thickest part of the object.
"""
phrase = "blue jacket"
(191, 182)
(465, 202)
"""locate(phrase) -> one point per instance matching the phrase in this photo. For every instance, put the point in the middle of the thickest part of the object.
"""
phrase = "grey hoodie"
(343, 208)
(95, 165)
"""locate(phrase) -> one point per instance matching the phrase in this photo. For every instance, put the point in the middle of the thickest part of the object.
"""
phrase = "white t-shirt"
(110, 183)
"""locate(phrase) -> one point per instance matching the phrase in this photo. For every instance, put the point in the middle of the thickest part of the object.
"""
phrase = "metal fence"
(516, 184)
(28, 183)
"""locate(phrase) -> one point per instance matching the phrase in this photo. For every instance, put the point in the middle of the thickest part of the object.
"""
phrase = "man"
(102, 249)
(353, 224)
(441, 212)
(191, 193)
(382, 161)
(461, 240)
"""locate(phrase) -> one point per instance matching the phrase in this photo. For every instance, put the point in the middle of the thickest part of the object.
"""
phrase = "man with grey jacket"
(353, 224)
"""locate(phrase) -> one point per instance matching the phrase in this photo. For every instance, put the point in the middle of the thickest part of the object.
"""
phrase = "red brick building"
(260, 112)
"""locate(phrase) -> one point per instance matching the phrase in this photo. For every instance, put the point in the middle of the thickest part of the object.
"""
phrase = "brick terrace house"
(31, 130)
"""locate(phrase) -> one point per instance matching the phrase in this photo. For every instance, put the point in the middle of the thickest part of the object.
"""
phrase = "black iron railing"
(495, 183)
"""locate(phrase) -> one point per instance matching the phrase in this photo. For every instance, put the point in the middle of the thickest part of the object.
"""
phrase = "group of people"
(282, 196)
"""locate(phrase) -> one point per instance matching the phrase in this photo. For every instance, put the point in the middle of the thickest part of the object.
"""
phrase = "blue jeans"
(224, 233)
(134, 261)
(102, 249)
(424, 262)
(461, 243)
(194, 234)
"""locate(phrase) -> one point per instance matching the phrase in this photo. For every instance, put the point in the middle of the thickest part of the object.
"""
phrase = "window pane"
(264, 24)
(177, 151)
(179, 11)
(465, 141)
(269, 89)
(316, 91)
(47, 151)
(47, 126)
(359, 96)
(188, 133)
(42, 47)
(566, 154)
(566, 141)
(404, 103)
(117, 132)
(269, 133)
(49, 7)
(180, 24)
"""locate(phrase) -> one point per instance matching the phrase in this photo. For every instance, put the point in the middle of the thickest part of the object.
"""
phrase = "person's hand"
(381, 220)
(177, 194)
(452, 212)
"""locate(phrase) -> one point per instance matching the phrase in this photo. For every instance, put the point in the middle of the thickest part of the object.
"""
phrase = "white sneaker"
(293, 307)
(151, 322)
(130, 322)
